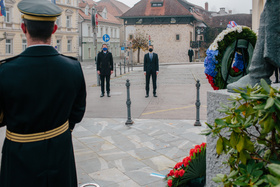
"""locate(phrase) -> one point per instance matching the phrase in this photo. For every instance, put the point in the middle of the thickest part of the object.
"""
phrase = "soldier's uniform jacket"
(40, 90)
(105, 63)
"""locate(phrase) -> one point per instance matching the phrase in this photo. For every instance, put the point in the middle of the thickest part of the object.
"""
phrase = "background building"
(108, 12)
(12, 39)
(258, 6)
(65, 40)
(169, 23)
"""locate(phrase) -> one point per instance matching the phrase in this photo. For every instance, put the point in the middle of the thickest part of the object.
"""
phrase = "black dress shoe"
(155, 95)
(147, 96)
(108, 95)
(102, 95)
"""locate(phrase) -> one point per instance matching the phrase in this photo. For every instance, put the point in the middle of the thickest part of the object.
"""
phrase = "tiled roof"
(86, 17)
(114, 7)
(240, 19)
(170, 8)
(110, 19)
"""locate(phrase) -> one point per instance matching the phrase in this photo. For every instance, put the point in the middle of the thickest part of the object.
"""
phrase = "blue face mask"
(105, 49)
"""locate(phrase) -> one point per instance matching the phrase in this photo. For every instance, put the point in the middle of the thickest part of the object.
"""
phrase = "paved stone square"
(110, 153)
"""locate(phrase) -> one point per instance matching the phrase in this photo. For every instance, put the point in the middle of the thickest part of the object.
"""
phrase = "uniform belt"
(26, 138)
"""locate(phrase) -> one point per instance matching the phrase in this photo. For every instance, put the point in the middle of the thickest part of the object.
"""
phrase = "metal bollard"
(120, 68)
(197, 104)
(115, 69)
(124, 67)
(128, 103)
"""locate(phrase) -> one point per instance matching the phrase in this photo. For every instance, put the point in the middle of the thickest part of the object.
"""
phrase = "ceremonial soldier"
(42, 97)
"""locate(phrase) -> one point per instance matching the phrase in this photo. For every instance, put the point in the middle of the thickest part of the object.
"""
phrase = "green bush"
(253, 144)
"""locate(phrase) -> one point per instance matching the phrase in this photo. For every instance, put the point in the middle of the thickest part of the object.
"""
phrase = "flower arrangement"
(238, 65)
(191, 171)
(216, 52)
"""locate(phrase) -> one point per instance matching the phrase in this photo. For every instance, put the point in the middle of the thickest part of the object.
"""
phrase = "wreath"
(228, 58)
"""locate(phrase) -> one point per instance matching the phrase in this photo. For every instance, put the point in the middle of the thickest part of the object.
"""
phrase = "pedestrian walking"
(190, 54)
(42, 97)
(151, 68)
(105, 68)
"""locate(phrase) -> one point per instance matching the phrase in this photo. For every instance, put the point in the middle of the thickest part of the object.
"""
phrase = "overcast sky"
(237, 6)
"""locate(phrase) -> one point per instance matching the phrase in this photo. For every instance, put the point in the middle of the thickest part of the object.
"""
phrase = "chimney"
(206, 6)
(229, 11)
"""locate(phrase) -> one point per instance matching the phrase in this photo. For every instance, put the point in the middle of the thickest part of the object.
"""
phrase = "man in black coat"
(151, 68)
(190, 53)
(105, 68)
(42, 97)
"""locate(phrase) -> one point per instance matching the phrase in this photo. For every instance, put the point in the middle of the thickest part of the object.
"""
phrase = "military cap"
(39, 10)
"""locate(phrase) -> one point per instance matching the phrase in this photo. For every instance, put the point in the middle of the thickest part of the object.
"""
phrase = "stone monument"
(264, 60)
(267, 51)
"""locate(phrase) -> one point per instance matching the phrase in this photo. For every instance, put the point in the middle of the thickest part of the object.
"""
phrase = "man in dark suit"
(190, 53)
(151, 68)
(105, 68)
(42, 97)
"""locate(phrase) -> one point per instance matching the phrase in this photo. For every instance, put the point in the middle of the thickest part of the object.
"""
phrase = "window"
(191, 36)
(69, 45)
(58, 45)
(173, 20)
(24, 44)
(68, 21)
(118, 33)
(130, 37)
(8, 15)
(68, 1)
(58, 21)
(201, 38)
(139, 21)
(89, 30)
(158, 4)
(9, 46)
(112, 33)
(101, 32)
(115, 33)
(177, 37)
(89, 52)
(86, 11)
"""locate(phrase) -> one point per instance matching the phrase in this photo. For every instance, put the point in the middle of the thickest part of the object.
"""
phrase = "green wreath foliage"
(247, 34)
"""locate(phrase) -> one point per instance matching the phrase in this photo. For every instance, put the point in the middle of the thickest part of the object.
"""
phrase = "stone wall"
(165, 44)
(214, 164)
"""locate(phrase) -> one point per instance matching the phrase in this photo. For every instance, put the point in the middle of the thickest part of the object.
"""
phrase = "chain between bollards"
(128, 103)
(197, 104)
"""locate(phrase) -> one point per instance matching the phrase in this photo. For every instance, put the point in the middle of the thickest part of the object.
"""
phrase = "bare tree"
(140, 41)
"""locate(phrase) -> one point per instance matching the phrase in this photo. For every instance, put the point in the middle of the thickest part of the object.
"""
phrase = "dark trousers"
(154, 78)
(102, 79)
(190, 57)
